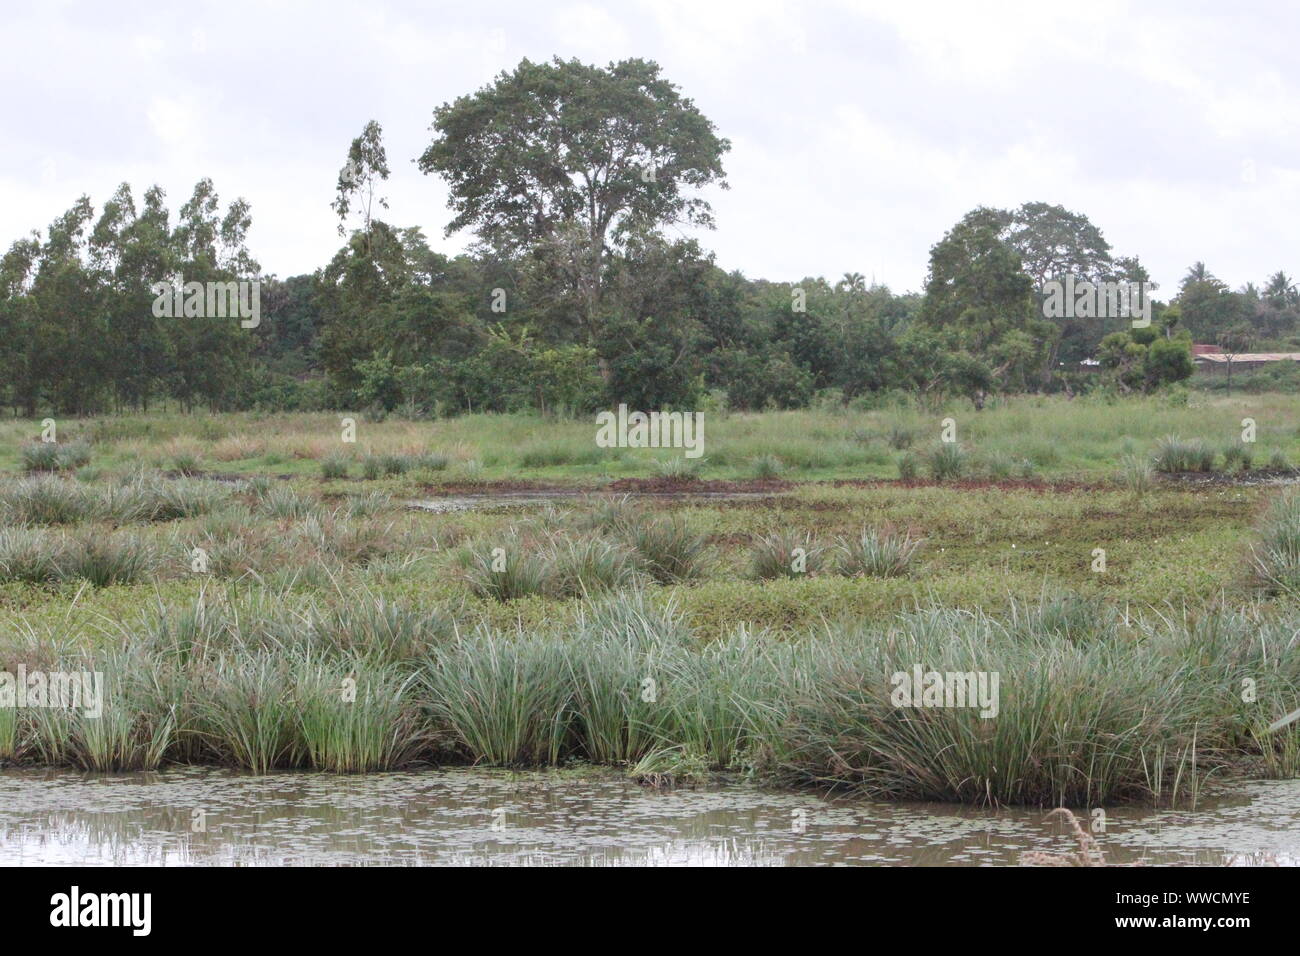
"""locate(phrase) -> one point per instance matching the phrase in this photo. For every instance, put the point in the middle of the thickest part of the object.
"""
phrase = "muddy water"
(520, 499)
(469, 816)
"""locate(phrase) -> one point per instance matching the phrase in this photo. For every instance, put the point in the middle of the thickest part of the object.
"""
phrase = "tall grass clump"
(679, 468)
(1075, 724)
(589, 564)
(669, 550)
(767, 466)
(908, 466)
(1174, 455)
(1137, 476)
(504, 701)
(105, 560)
(334, 466)
(355, 719)
(878, 553)
(285, 504)
(619, 717)
(47, 501)
(1275, 558)
(946, 461)
(1237, 457)
(505, 570)
(52, 456)
(30, 556)
(246, 715)
(786, 554)
(135, 725)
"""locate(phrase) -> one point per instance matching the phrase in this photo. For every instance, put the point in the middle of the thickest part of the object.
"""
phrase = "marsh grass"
(506, 570)
(786, 554)
(1174, 455)
(505, 702)
(334, 466)
(108, 559)
(355, 719)
(947, 461)
(590, 564)
(1091, 707)
(1275, 558)
(878, 553)
(1077, 724)
(248, 715)
(52, 456)
(670, 550)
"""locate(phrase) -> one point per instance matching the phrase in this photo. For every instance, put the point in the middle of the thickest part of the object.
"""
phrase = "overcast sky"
(860, 131)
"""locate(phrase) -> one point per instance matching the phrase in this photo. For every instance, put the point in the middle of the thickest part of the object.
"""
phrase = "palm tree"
(1281, 291)
(853, 282)
(1197, 273)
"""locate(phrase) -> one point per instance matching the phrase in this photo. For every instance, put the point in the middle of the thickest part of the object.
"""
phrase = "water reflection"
(205, 816)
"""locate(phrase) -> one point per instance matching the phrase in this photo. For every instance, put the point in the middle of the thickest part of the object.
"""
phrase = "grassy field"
(1023, 437)
(227, 573)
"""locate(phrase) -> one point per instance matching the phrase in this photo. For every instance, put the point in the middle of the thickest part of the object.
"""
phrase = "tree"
(1054, 242)
(978, 293)
(1234, 341)
(367, 164)
(566, 161)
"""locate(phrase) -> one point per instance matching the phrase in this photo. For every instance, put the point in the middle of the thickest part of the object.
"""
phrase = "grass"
(946, 461)
(1276, 557)
(336, 629)
(1091, 708)
(1062, 438)
(879, 553)
(1174, 455)
(51, 456)
(786, 554)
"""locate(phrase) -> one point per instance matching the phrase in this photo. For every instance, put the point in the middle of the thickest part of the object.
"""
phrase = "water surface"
(497, 818)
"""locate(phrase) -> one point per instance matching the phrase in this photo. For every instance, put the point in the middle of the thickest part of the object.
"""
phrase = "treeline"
(575, 296)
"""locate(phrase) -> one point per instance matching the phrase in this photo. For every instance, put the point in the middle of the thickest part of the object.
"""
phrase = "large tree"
(569, 162)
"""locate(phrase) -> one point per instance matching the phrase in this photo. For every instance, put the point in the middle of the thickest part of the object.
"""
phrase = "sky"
(860, 131)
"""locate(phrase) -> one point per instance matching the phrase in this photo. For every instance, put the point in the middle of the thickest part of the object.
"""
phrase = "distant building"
(1212, 360)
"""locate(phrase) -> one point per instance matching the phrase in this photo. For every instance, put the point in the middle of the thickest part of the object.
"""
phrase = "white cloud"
(861, 129)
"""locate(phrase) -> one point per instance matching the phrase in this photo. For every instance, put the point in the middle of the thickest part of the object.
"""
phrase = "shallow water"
(483, 817)
(520, 499)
